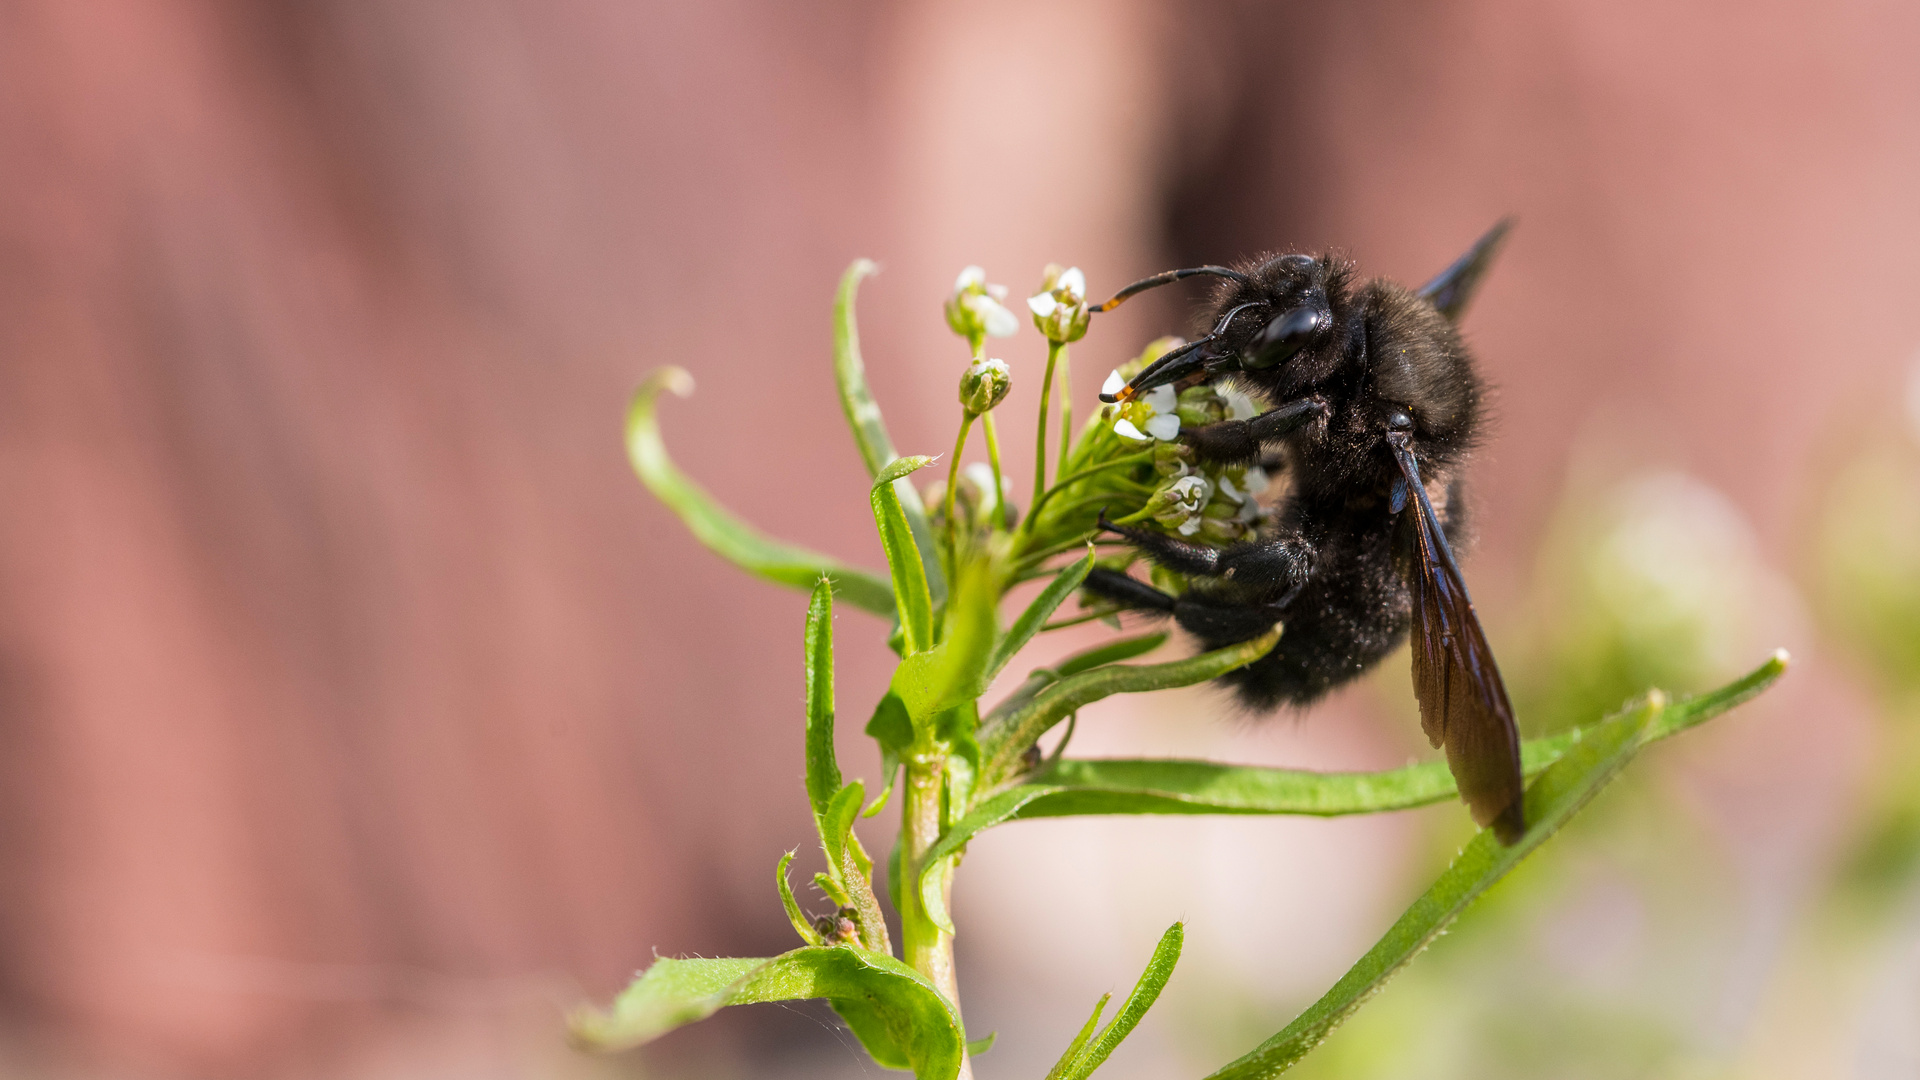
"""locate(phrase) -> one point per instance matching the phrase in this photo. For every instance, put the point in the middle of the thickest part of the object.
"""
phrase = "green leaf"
(1595, 757)
(982, 1044)
(869, 429)
(850, 868)
(1031, 620)
(1083, 1057)
(892, 728)
(801, 924)
(910, 594)
(1171, 786)
(1080, 1040)
(726, 535)
(823, 766)
(1012, 733)
(1112, 652)
(898, 1015)
(953, 673)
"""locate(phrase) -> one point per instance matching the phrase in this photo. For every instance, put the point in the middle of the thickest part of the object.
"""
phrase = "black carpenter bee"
(1373, 407)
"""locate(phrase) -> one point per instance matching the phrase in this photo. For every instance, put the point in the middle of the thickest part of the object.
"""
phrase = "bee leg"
(1236, 441)
(1128, 591)
(1280, 561)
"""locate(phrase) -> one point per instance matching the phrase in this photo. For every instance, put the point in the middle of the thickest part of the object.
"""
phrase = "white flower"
(1149, 416)
(993, 316)
(1180, 505)
(1060, 307)
(975, 308)
(1227, 488)
(1114, 384)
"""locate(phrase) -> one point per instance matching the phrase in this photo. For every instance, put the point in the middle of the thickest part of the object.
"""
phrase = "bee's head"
(1283, 307)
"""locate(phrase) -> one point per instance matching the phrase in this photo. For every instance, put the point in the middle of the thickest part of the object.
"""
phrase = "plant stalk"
(1054, 349)
(927, 948)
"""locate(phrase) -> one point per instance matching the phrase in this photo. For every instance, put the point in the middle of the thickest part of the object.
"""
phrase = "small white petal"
(1256, 480)
(1074, 283)
(972, 275)
(1191, 525)
(1113, 385)
(1124, 428)
(1164, 426)
(1225, 484)
(998, 292)
(1042, 304)
(1162, 399)
(997, 366)
(1000, 322)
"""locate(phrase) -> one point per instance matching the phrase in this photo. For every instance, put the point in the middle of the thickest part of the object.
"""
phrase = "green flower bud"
(983, 385)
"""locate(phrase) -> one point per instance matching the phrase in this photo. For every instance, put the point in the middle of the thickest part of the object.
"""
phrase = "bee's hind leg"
(1128, 591)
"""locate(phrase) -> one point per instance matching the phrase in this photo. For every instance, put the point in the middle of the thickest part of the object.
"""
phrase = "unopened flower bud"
(1200, 405)
(974, 308)
(1060, 307)
(983, 385)
(1172, 459)
(1180, 504)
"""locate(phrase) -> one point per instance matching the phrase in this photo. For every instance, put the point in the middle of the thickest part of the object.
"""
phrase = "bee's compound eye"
(1285, 335)
(1399, 420)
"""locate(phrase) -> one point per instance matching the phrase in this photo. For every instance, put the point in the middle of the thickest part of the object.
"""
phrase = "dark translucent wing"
(1463, 702)
(1455, 285)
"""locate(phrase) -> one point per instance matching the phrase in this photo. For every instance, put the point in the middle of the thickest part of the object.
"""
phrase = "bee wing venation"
(1463, 701)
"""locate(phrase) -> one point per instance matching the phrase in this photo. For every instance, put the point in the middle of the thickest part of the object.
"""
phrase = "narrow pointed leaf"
(1073, 788)
(801, 924)
(723, 533)
(1022, 727)
(869, 429)
(1064, 584)
(1063, 1067)
(1112, 652)
(896, 1013)
(953, 673)
(823, 766)
(850, 868)
(1145, 993)
(910, 593)
(1566, 786)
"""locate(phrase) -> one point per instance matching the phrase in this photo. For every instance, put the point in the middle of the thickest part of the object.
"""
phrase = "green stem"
(1066, 413)
(953, 488)
(1066, 481)
(999, 485)
(927, 948)
(1054, 349)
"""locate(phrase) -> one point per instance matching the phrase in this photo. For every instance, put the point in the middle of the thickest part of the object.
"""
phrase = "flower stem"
(1066, 414)
(1054, 349)
(953, 488)
(999, 485)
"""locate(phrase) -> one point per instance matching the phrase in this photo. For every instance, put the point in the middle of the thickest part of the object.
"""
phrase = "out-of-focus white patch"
(1042, 304)
(1073, 283)
(1239, 405)
(969, 277)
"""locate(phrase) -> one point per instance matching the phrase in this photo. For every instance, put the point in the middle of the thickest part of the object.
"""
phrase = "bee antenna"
(1168, 278)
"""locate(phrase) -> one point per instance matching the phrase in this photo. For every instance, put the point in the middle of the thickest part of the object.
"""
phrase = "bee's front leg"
(1235, 442)
(1280, 562)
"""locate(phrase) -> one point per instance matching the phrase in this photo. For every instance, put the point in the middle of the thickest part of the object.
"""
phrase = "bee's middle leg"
(1239, 441)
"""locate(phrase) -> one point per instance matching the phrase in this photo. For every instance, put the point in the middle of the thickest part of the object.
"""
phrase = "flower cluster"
(1215, 503)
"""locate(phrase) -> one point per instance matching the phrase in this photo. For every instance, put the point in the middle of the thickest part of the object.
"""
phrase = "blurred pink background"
(359, 710)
